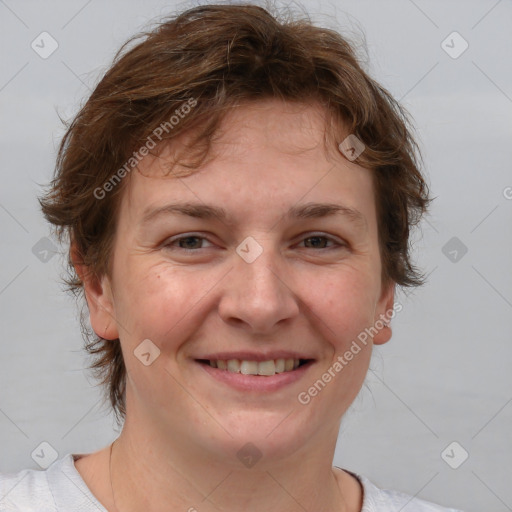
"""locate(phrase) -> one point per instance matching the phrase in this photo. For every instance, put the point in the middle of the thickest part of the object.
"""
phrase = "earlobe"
(382, 322)
(98, 294)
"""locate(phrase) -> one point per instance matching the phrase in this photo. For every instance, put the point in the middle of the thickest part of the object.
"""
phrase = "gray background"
(444, 377)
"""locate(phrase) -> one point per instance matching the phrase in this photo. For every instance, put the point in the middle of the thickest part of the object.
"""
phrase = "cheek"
(163, 303)
(344, 307)
(343, 302)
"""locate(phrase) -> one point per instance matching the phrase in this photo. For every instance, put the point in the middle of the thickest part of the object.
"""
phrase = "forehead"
(289, 127)
(264, 151)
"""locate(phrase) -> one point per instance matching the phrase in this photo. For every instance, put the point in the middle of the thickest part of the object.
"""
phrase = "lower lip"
(260, 383)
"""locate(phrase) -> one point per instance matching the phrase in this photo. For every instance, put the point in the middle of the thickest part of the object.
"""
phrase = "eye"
(321, 241)
(193, 242)
(186, 243)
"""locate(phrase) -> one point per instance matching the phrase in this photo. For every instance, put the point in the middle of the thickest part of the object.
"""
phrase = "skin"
(183, 427)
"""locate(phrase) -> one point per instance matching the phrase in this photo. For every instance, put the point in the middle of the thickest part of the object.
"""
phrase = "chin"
(268, 437)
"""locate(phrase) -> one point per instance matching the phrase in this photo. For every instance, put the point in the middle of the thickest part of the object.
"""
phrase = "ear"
(382, 314)
(98, 293)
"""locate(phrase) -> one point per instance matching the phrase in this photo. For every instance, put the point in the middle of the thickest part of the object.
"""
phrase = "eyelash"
(169, 244)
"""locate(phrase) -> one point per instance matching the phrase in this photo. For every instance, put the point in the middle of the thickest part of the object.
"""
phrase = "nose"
(258, 296)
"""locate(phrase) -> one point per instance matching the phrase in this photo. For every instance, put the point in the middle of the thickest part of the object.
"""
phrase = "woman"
(230, 360)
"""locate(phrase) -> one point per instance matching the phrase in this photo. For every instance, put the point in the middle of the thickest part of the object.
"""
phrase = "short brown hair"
(222, 55)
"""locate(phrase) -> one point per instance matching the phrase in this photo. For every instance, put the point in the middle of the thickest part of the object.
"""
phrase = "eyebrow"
(211, 212)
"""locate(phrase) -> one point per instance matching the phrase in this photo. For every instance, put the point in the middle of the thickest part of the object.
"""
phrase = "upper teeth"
(270, 367)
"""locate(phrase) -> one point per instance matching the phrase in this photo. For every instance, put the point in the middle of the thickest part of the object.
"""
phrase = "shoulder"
(384, 500)
(19, 490)
(55, 489)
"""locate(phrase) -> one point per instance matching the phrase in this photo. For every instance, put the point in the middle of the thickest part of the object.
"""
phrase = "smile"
(263, 368)
(260, 376)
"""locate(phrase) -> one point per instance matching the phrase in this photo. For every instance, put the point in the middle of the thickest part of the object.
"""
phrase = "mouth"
(257, 376)
(266, 368)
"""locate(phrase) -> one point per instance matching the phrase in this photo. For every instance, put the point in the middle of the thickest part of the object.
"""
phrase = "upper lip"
(254, 356)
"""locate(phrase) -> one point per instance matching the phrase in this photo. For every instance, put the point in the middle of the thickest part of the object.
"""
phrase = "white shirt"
(60, 488)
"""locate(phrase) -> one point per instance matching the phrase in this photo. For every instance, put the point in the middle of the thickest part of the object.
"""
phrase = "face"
(267, 254)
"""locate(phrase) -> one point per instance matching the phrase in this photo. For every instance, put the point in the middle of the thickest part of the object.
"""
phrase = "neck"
(150, 475)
